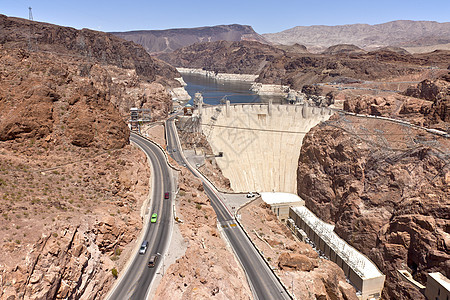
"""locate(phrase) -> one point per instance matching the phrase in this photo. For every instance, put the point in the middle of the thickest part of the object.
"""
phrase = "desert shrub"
(114, 272)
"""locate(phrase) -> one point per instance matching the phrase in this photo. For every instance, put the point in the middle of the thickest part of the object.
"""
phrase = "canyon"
(281, 66)
(73, 189)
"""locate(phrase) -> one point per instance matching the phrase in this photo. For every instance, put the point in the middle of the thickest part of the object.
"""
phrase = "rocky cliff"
(385, 186)
(71, 186)
(294, 67)
(243, 57)
(91, 46)
(297, 264)
(432, 111)
(157, 41)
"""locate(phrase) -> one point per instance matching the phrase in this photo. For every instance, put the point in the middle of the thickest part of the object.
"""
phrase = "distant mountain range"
(415, 36)
(157, 41)
(395, 33)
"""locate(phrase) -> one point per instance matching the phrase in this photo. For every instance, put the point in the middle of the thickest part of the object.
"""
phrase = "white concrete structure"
(260, 142)
(280, 202)
(270, 89)
(220, 76)
(361, 272)
(438, 287)
(179, 94)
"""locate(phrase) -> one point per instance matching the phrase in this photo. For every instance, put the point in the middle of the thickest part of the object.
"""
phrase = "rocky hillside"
(292, 66)
(88, 45)
(397, 33)
(71, 186)
(432, 112)
(297, 264)
(384, 185)
(243, 57)
(67, 169)
(208, 269)
(343, 49)
(156, 41)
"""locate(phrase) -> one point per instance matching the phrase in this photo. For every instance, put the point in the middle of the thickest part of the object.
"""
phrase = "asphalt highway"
(136, 282)
(263, 282)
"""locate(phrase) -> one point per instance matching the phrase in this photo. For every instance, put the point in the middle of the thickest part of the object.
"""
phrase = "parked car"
(154, 218)
(152, 261)
(250, 195)
(166, 195)
(144, 247)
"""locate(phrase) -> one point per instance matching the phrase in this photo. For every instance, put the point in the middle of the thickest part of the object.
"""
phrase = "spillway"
(260, 142)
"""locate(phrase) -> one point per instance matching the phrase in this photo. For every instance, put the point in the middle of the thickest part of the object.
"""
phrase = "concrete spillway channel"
(260, 142)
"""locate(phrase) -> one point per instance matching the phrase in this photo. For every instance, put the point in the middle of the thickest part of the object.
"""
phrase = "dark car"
(166, 195)
(152, 261)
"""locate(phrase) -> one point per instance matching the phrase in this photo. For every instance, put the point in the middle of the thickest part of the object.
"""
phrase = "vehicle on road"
(250, 195)
(166, 195)
(154, 218)
(152, 261)
(144, 247)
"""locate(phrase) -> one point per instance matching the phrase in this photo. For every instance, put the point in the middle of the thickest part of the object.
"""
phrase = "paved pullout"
(138, 278)
(263, 282)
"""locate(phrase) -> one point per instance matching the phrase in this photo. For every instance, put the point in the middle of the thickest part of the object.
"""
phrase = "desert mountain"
(172, 39)
(343, 49)
(396, 33)
(89, 45)
(244, 57)
(274, 65)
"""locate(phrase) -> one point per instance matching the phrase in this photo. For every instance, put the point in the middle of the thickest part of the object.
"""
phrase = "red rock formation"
(89, 45)
(430, 106)
(437, 91)
(287, 66)
(386, 188)
(60, 103)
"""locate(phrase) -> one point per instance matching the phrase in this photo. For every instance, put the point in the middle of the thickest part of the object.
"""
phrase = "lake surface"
(213, 90)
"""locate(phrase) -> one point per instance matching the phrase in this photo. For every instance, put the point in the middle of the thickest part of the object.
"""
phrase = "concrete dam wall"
(260, 142)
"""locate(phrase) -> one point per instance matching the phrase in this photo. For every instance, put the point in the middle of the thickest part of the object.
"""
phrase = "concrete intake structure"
(260, 142)
(361, 272)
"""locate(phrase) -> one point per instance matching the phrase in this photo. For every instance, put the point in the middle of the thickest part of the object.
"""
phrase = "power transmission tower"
(31, 33)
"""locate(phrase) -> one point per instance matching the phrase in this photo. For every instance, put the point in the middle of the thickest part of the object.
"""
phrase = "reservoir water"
(213, 90)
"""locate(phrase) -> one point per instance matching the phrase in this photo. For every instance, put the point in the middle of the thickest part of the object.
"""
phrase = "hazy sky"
(265, 16)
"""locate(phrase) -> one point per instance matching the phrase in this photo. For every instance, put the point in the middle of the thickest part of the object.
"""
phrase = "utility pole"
(30, 14)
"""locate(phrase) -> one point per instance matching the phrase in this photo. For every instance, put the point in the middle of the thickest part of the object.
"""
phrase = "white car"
(250, 195)
(144, 247)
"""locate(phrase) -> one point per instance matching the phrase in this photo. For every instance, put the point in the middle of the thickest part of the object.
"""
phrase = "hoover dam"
(260, 142)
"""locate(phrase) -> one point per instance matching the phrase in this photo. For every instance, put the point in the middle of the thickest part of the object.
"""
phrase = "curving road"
(262, 280)
(136, 282)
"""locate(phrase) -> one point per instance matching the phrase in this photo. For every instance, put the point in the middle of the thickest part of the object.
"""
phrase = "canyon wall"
(385, 186)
